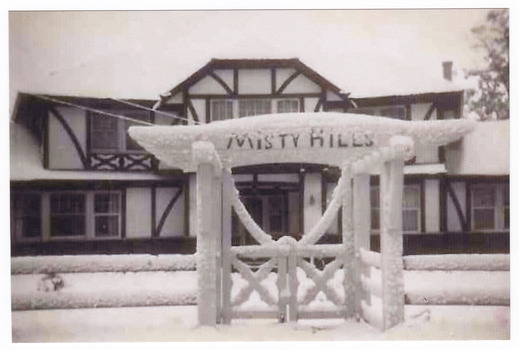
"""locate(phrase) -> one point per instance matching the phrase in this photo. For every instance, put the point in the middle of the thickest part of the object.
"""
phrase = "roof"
(254, 64)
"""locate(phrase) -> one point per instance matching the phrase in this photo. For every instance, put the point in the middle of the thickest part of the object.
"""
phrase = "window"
(410, 209)
(490, 207)
(254, 107)
(26, 215)
(221, 109)
(110, 135)
(287, 106)
(393, 112)
(228, 109)
(85, 214)
(107, 214)
(67, 215)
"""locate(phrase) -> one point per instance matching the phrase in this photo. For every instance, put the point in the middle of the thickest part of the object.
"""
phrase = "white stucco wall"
(432, 205)
(485, 151)
(62, 152)
(174, 224)
(254, 81)
(312, 200)
(138, 212)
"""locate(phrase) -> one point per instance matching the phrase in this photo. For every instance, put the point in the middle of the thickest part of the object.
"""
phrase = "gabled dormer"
(233, 88)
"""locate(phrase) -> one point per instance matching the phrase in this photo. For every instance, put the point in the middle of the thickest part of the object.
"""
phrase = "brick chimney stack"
(447, 70)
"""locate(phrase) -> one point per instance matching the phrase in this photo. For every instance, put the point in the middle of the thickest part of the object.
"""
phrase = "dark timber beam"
(287, 82)
(166, 212)
(221, 82)
(72, 136)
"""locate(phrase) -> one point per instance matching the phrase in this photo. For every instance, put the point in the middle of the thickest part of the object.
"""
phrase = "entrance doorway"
(270, 210)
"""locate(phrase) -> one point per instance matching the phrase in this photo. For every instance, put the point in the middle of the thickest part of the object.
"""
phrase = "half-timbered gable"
(225, 89)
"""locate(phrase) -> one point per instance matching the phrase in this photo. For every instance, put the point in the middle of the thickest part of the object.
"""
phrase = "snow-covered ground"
(124, 322)
(178, 323)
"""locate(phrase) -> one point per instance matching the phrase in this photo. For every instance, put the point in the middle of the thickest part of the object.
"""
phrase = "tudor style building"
(80, 184)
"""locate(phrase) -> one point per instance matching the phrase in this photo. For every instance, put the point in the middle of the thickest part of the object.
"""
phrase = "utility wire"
(55, 100)
(174, 116)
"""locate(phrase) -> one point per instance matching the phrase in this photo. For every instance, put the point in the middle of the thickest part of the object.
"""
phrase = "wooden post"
(293, 283)
(217, 243)
(206, 246)
(391, 245)
(282, 284)
(226, 248)
(362, 232)
(348, 243)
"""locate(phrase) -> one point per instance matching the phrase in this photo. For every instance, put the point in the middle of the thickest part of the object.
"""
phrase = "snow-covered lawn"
(178, 323)
(153, 288)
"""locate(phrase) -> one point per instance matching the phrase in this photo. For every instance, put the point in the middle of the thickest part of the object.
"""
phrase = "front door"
(269, 210)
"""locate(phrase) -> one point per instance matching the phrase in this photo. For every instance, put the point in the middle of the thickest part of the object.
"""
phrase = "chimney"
(447, 70)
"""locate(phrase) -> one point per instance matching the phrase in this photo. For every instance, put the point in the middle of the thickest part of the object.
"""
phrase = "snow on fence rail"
(77, 300)
(471, 279)
(464, 262)
(101, 263)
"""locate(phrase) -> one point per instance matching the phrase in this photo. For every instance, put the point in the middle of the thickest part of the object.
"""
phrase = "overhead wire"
(95, 110)
(174, 116)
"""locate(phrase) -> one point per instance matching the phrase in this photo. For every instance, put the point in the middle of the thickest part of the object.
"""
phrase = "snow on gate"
(354, 143)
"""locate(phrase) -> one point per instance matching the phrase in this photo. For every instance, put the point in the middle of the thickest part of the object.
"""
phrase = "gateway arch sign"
(355, 143)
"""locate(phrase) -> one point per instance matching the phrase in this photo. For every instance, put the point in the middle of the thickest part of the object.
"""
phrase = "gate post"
(362, 232)
(348, 244)
(391, 245)
(226, 247)
(208, 234)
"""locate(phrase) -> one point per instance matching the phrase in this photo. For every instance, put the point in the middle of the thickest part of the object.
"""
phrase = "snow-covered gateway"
(80, 185)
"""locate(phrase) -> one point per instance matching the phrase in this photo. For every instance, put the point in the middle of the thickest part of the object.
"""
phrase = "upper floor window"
(228, 109)
(396, 112)
(490, 207)
(109, 134)
(254, 107)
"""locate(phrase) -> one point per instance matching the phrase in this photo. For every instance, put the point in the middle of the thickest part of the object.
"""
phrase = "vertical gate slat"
(282, 287)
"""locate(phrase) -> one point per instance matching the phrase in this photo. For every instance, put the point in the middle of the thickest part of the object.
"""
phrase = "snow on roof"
(485, 151)
(26, 163)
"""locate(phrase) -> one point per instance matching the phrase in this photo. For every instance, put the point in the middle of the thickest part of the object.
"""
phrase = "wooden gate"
(356, 144)
(288, 283)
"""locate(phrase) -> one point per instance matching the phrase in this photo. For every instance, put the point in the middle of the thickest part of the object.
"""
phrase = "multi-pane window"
(254, 107)
(67, 214)
(410, 209)
(393, 112)
(104, 133)
(287, 106)
(85, 214)
(490, 207)
(237, 108)
(221, 109)
(107, 214)
(110, 134)
(26, 215)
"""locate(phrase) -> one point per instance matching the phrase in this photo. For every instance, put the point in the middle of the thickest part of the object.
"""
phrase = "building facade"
(80, 184)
